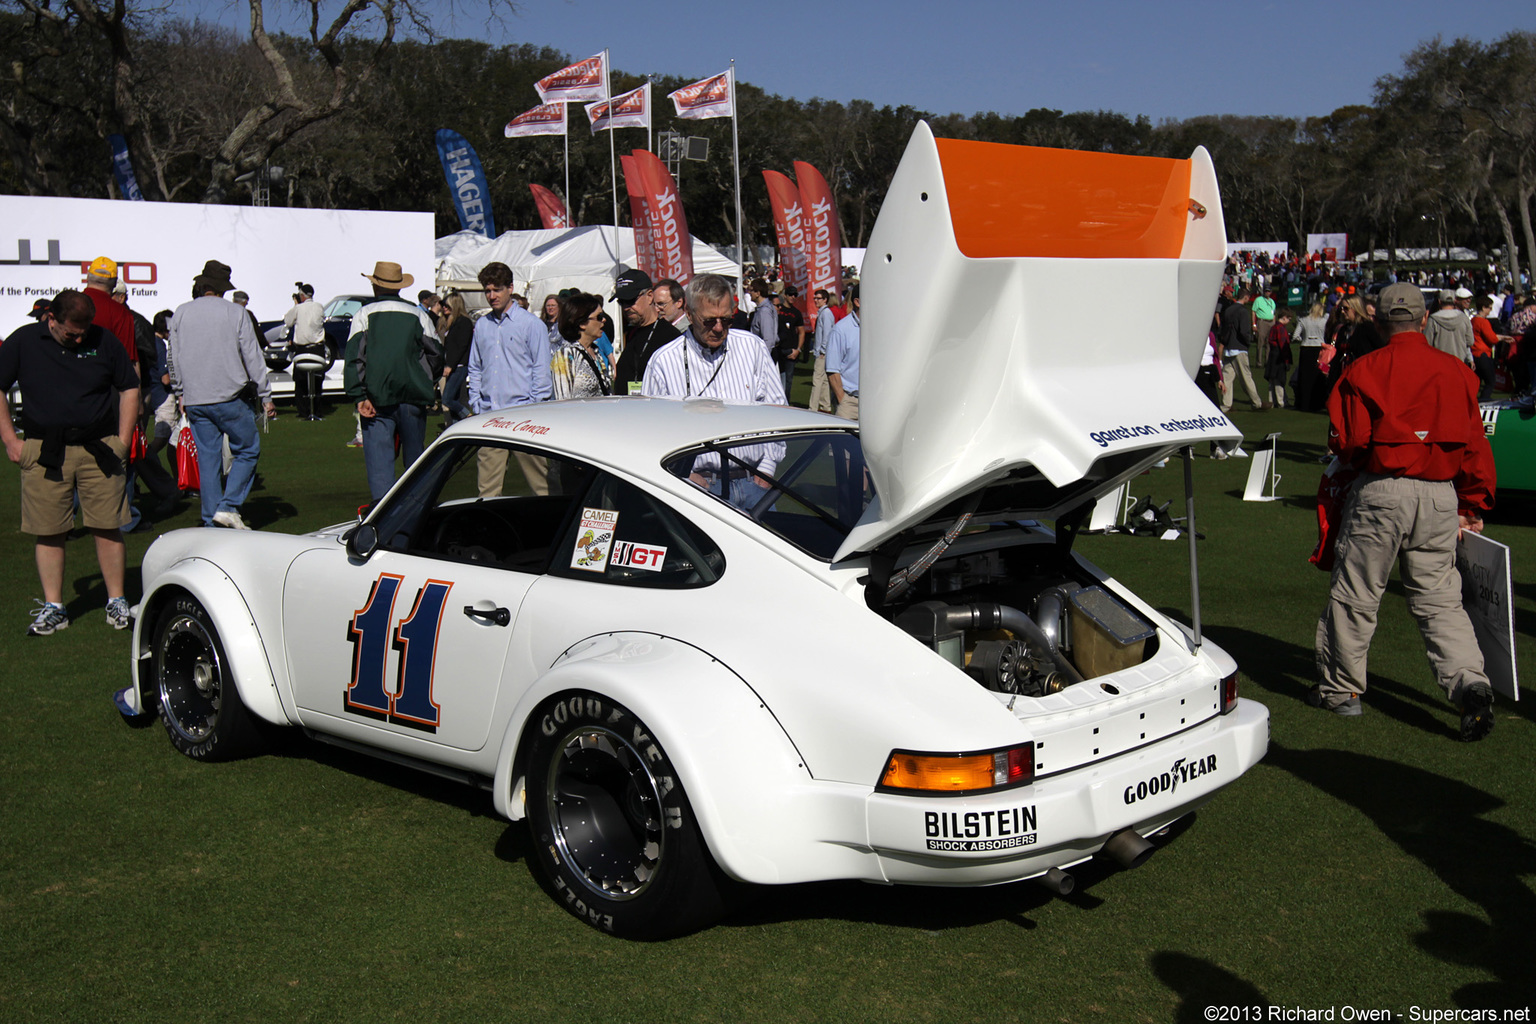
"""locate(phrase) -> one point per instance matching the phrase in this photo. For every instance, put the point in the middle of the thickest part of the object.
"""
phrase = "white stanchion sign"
(1489, 600)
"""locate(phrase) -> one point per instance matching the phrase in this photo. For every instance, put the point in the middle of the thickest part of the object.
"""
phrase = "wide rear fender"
(745, 781)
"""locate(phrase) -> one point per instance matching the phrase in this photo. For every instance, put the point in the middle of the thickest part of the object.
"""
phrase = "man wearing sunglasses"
(714, 361)
(644, 330)
(711, 360)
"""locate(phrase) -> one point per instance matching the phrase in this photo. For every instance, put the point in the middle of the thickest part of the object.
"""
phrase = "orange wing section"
(1064, 203)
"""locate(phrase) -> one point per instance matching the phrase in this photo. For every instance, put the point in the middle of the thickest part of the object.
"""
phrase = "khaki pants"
(821, 391)
(491, 472)
(1413, 523)
(848, 408)
(1233, 366)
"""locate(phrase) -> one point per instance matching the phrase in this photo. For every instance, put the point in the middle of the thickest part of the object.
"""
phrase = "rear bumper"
(1022, 832)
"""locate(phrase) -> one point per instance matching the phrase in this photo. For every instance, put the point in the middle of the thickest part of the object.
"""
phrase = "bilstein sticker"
(979, 831)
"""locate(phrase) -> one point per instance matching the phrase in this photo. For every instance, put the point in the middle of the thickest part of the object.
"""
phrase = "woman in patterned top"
(578, 369)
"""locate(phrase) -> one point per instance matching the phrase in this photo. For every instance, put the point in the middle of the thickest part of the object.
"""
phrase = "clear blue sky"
(1293, 58)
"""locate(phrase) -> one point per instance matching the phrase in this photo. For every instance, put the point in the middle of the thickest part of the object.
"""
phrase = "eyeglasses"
(712, 323)
(595, 316)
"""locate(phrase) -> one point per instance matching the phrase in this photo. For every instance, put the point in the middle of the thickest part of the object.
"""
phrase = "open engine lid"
(1032, 321)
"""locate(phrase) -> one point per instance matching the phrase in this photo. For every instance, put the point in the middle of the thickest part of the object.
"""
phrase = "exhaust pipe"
(1057, 881)
(1128, 849)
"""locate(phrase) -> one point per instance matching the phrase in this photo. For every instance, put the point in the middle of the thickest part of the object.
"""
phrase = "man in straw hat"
(393, 357)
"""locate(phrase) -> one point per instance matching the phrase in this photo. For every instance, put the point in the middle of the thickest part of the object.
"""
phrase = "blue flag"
(466, 181)
(122, 167)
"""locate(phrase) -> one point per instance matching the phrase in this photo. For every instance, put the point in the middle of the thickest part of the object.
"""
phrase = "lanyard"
(688, 376)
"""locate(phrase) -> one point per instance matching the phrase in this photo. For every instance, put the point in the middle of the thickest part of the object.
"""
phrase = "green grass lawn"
(1372, 862)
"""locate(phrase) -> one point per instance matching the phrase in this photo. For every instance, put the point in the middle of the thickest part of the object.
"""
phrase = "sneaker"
(1476, 712)
(356, 442)
(48, 619)
(1219, 454)
(1238, 453)
(117, 613)
(1349, 707)
(230, 519)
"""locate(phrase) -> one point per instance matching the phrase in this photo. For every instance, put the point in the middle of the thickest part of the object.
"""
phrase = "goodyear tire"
(199, 705)
(613, 829)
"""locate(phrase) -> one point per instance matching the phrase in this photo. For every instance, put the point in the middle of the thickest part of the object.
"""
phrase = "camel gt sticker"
(594, 538)
(641, 556)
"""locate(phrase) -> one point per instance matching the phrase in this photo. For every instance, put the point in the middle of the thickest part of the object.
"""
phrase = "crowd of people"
(104, 388)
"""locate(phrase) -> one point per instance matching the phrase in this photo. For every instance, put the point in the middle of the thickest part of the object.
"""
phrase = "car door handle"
(500, 616)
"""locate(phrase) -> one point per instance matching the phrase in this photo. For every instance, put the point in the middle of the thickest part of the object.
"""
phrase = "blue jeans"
(453, 395)
(210, 425)
(410, 422)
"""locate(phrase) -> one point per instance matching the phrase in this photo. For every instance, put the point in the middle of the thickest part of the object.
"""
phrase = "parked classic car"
(881, 665)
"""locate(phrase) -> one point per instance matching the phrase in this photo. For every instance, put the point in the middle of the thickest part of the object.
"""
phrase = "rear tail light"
(1229, 693)
(909, 771)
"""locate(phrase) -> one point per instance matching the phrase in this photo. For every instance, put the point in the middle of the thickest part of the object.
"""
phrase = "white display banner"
(161, 247)
(1323, 242)
(1487, 596)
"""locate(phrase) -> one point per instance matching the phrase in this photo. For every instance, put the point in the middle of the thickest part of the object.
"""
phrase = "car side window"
(484, 504)
(620, 534)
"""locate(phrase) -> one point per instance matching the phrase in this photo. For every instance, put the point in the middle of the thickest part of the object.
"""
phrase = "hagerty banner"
(466, 182)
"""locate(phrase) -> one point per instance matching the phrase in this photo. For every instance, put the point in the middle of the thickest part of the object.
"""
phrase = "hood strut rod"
(1189, 528)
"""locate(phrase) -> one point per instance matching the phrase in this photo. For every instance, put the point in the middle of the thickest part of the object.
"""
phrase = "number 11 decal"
(415, 638)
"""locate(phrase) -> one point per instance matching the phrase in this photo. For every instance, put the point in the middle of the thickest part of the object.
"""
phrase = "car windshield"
(343, 305)
(809, 489)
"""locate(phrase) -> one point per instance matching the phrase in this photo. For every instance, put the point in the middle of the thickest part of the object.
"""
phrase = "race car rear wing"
(1030, 312)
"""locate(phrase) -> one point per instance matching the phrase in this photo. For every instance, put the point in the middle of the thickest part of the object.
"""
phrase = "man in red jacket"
(1406, 416)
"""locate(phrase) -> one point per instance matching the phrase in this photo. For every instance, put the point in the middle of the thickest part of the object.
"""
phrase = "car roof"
(637, 433)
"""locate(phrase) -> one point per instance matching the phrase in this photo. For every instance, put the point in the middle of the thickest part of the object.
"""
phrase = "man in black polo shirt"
(81, 399)
(644, 330)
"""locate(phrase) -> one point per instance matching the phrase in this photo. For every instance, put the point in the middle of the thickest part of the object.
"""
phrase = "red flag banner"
(631, 110)
(546, 119)
(552, 210)
(673, 251)
(789, 224)
(709, 97)
(824, 242)
(585, 80)
(639, 219)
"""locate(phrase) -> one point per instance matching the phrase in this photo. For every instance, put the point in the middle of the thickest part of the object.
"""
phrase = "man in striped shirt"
(712, 361)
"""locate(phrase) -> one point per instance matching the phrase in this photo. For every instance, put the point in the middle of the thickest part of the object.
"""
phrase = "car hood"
(1032, 323)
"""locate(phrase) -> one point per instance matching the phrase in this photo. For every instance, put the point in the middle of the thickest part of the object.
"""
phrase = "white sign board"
(1322, 242)
(1489, 600)
(160, 247)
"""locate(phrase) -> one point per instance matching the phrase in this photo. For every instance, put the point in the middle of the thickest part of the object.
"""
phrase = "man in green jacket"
(393, 356)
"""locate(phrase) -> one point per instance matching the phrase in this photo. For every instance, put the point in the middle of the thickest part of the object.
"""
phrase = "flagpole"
(741, 260)
(565, 114)
(649, 116)
(613, 169)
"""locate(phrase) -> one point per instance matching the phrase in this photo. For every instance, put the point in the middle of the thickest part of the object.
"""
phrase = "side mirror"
(362, 541)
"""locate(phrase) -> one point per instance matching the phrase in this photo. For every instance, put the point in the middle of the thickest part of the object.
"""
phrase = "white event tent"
(547, 260)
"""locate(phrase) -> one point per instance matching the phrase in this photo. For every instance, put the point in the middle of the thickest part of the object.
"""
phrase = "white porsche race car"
(695, 645)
